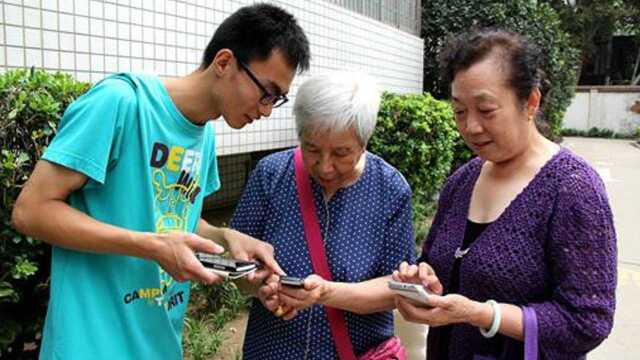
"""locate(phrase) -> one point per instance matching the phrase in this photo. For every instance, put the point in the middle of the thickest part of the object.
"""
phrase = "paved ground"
(618, 163)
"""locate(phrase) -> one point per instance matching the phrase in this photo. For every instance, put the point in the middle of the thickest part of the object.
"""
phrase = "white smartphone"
(233, 275)
(415, 292)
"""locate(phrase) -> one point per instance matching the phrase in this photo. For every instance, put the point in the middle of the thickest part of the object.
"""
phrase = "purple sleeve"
(581, 253)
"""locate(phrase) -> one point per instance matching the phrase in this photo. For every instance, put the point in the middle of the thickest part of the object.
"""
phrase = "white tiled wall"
(92, 38)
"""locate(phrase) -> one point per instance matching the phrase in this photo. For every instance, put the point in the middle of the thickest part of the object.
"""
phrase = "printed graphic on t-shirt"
(176, 184)
(175, 174)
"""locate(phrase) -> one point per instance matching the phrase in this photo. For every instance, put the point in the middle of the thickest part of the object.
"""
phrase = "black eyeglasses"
(267, 97)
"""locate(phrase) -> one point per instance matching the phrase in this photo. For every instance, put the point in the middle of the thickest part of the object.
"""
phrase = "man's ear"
(222, 62)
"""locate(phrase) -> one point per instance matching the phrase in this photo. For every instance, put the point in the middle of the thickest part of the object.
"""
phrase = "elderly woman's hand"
(441, 310)
(268, 296)
(419, 274)
(314, 290)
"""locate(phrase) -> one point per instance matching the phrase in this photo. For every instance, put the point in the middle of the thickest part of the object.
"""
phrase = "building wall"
(401, 14)
(91, 39)
(605, 108)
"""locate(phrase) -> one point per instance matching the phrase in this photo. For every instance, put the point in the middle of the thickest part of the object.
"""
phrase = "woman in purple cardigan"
(522, 248)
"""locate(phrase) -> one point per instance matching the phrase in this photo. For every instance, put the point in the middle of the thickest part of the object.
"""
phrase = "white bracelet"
(495, 324)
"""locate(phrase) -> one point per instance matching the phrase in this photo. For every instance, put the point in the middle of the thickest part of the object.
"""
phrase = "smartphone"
(292, 281)
(219, 263)
(415, 292)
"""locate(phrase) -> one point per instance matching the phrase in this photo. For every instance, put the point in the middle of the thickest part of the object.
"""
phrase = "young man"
(119, 191)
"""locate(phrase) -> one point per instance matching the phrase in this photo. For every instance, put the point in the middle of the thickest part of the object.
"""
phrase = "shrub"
(539, 22)
(210, 308)
(31, 104)
(416, 134)
(596, 132)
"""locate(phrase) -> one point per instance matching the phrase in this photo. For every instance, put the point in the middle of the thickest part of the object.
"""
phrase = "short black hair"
(253, 32)
(520, 57)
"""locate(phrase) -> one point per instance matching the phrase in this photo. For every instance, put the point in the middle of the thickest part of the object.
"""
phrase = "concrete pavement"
(618, 163)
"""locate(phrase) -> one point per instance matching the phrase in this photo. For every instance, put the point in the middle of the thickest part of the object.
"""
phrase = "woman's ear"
(533, 103)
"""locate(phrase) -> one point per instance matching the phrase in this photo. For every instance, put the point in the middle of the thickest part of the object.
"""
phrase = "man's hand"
(175, 254)
(244, 247)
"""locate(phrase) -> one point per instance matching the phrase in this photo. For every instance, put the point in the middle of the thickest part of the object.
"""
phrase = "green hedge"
(441, 18)
(417, 134)
(31, 105)
(596, 132)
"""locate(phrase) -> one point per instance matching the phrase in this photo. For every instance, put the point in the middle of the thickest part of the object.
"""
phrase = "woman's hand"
(268, 296)
(443, 310)
(315, 289)
(419, 274)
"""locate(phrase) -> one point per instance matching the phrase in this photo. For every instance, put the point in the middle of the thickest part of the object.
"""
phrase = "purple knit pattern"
(553, 249)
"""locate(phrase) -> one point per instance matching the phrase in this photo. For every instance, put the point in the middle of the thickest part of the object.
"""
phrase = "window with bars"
(402, 14)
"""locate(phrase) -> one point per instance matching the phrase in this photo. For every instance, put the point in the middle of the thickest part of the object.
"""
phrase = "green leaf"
(24, 268)
(7, 293)
(13, 113)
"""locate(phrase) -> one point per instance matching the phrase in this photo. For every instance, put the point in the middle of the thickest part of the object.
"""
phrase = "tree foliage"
(539, 22)
(590, 22)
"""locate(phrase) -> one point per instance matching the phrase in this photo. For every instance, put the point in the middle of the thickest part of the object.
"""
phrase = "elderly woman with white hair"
(362, 206)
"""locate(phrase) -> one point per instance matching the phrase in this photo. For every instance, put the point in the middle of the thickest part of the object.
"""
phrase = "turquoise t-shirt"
(148, 169)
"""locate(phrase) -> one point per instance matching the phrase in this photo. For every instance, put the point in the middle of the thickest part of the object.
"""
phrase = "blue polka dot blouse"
(367, 232)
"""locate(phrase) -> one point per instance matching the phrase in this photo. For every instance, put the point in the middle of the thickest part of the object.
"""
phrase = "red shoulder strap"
(315, 245)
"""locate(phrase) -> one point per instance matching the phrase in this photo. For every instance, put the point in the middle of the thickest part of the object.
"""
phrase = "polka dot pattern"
(367, 232)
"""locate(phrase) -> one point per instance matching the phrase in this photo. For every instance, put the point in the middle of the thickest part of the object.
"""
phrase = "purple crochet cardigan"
(553, 249)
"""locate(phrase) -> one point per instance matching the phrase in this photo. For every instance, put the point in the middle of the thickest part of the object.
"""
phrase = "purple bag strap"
(530, 333)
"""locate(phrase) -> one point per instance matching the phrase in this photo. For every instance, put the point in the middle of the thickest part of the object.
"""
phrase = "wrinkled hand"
(419, 274)
(176, 256)
(244, 247)
(315, 288)
(439, 310)
(268, 296)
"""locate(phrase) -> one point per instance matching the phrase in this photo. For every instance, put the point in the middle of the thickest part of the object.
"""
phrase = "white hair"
(337, 102)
